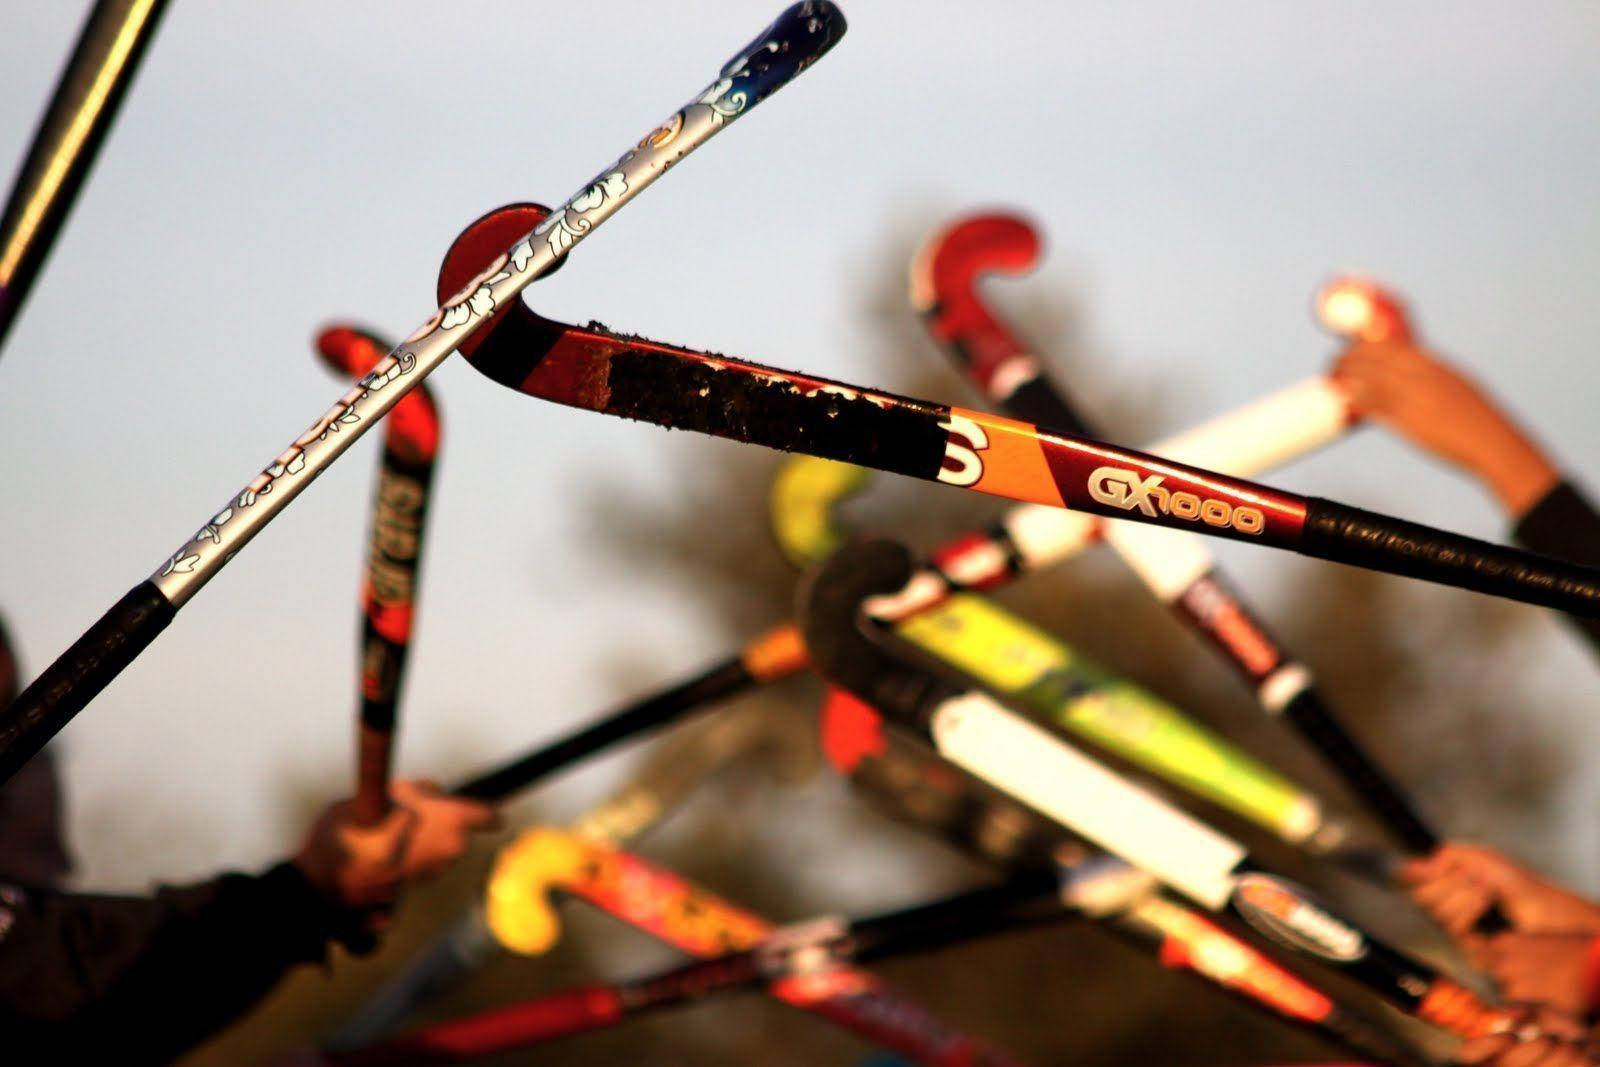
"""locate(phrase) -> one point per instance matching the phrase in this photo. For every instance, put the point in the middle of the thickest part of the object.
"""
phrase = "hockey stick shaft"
(394, 554)
(756, 404)
(769, 657)
(801, 35)
(85, 102)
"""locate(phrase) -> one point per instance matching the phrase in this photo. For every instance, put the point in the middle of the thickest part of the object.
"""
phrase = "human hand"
(1442, 411)
(1552, 970)
(363, 866)
(1459, 882)
(1560, 1042)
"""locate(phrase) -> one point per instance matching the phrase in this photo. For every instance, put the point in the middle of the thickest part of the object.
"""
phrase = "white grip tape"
(1167, 561)
(1269, 433)
(1039, 769)
(1045, 535)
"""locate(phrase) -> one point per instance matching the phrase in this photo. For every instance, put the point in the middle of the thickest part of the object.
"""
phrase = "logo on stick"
(964, 440)
(1283, 912)
(1126, 489)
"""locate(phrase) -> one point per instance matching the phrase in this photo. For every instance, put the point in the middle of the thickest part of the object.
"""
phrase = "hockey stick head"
(412, 428)
(947, 267)
(944, 288)
(802, 503)
(851, 650)
(520, 911)
(1359, 309)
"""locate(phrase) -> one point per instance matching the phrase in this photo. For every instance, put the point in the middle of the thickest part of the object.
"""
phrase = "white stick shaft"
(1052, 777)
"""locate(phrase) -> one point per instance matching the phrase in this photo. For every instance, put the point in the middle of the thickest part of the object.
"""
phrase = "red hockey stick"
(388, 596)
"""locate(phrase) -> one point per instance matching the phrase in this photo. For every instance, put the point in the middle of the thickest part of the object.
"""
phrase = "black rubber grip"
(720, 682)
(1349, 535)
(79, 673)
(1357, 770)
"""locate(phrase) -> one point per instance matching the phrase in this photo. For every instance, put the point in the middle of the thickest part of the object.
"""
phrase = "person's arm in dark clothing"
(143, 979)
(131, 980)
(1564, 525)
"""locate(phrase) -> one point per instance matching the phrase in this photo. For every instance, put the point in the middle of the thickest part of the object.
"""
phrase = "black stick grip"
(721, 681)
(79, 673)
(1358, 771)
(1349, 535)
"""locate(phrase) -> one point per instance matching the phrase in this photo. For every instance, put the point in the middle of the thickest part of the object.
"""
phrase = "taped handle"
(80, 673)
(1349, 535)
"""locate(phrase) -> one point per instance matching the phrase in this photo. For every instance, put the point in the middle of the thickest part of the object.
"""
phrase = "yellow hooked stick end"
(517, 899)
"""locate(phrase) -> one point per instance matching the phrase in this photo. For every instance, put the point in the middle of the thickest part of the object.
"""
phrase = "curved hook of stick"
(1355, 308)
(515, 324)
(833, 606)
(944, 277)
(517, 901)
(801, 506)
(657, 901)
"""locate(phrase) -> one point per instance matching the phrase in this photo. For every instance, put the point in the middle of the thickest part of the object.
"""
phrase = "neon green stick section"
(1043, 675)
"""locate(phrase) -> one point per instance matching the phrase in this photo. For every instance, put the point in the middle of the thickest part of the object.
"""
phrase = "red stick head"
(944, 277)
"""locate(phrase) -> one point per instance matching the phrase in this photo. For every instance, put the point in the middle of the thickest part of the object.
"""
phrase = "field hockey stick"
(805, 963)
(394, 552)
(694, 920)
(674, 768)
(911, 783)
(1177, 568)
(628, 377)
(769, 657)
(800, 36)
(1064, 688)
(87, 95)
(978, 734)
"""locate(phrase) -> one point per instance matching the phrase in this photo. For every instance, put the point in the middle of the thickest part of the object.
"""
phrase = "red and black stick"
(389, 592)
(944, 285)
(812, 957)
(630, 377)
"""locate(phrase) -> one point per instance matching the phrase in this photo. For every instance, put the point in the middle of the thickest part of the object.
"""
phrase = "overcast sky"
(1198, 169)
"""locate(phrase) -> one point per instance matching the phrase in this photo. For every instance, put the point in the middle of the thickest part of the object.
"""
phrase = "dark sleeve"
(1566, 526)
(142, 979)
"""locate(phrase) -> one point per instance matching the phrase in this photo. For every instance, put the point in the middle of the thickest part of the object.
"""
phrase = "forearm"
(1516, 471)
